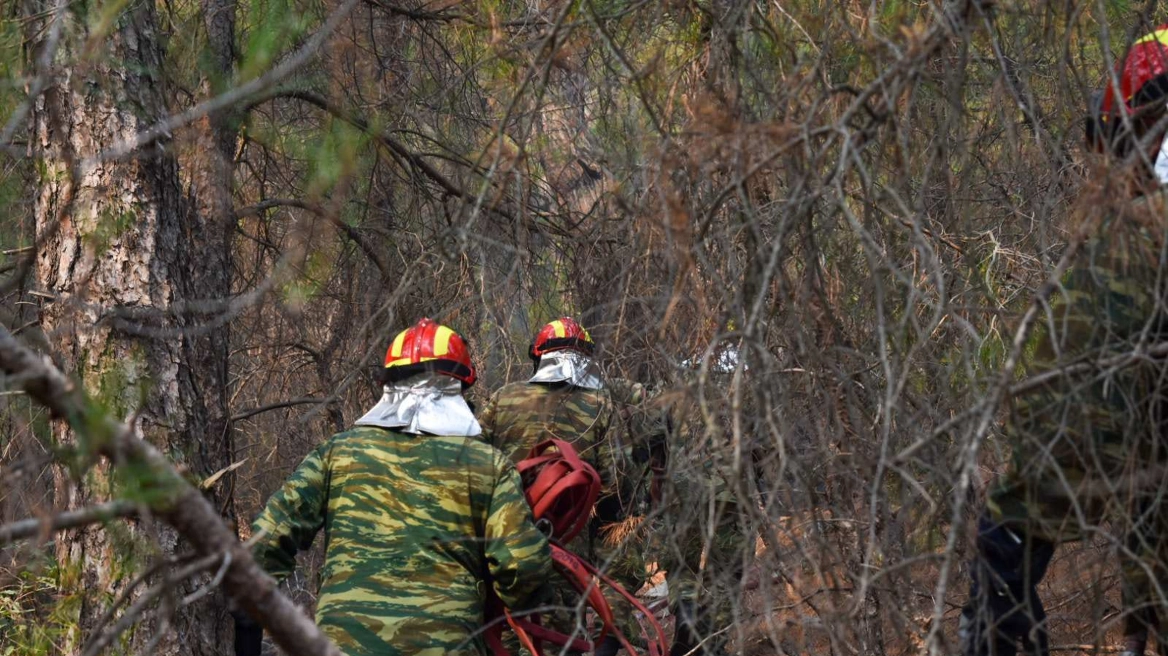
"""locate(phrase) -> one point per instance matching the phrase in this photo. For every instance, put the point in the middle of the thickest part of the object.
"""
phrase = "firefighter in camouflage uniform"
(703, 540)
(1086, 429)
(567, 398)
(420, 516)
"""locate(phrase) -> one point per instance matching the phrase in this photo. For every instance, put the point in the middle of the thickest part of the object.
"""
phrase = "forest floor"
(1081, 594)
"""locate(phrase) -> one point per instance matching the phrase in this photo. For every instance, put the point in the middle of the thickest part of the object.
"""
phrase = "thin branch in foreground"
(166, 127)
(240, 416)
(27, 528)
(103, 637)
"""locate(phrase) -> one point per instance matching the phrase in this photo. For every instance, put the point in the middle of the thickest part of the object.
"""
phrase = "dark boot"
(249, 636)
(1004, 610)
(1135, 644)
(608, 647)
(688, 630)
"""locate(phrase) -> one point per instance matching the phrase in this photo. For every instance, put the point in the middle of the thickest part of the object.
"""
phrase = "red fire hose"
(562, 489)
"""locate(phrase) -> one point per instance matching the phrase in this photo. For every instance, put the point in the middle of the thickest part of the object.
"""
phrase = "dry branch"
(27, 528)
(184, 507)
(240, 416)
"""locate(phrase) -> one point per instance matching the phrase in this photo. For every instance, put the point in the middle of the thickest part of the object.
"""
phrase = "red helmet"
(562, 334)
(429, 346)
(560, 487)
(1143, 79)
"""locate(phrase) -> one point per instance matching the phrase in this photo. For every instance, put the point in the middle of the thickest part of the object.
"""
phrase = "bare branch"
(275, 406)
(27, 528)
(349, 231)
(184, 508)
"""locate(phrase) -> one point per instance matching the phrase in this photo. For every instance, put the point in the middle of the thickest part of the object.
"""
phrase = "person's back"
(523, 414)
(1079, 428)
(421, 518)
(1086, 425)
(411, 522)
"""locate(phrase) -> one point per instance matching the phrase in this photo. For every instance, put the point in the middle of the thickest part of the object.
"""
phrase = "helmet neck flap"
(568, 367)
(427, 403)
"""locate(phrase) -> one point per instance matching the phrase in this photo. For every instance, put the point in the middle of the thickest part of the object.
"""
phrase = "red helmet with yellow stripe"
(562, 334)
(1143, 83)
(429, 346)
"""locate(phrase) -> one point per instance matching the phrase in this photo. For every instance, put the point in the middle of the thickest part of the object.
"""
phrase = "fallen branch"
(182, 506)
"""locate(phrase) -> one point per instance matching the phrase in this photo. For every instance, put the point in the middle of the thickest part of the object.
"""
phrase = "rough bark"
(211, 225)
(119, 235)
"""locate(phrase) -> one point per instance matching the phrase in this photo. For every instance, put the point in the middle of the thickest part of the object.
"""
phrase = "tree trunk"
(210, 229)
(120, 249)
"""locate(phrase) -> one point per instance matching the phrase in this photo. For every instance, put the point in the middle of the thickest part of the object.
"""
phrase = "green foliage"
(185, 60)
(298, 292)
(271, 27)
(335, 157)
(11, 64)
(102, 17)
(35, 615)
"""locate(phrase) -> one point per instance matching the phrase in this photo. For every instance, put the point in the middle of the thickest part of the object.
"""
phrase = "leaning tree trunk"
(120, 251)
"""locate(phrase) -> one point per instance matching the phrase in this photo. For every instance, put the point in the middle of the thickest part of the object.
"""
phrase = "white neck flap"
(1160, 168)
(427, 403)
(568, 367)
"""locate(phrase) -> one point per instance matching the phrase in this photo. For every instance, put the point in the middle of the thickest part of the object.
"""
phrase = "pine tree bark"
(211, 225)
(127, 259)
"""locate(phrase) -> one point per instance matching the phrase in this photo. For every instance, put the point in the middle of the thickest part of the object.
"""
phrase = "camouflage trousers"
(1026, 517)
(705, 552)
(624, 562)
(1144, 566)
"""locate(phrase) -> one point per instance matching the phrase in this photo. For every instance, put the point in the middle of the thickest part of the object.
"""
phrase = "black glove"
(249, 636)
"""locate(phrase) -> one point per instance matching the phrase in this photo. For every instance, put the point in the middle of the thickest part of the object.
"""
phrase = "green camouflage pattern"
(1144, 568)
(703, 537)
(615, 431)
(705, 565)
(636, 442)
(521, 415)
(708, 540)
(413, 524)
(1086, 441)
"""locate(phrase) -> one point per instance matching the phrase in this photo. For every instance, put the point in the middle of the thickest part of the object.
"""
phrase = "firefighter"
(1086, 440)
(419, 515)
(567, 398)
(703, 538)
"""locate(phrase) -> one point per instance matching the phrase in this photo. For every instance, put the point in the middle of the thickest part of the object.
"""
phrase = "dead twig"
(27, 528)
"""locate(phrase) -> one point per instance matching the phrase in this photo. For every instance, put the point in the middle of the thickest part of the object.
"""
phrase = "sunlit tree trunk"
(122, 250)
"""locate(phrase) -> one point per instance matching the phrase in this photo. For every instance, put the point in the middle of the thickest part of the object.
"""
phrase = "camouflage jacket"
(415, 526)
(521, 415)
(611, 428)
(1095, 418)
